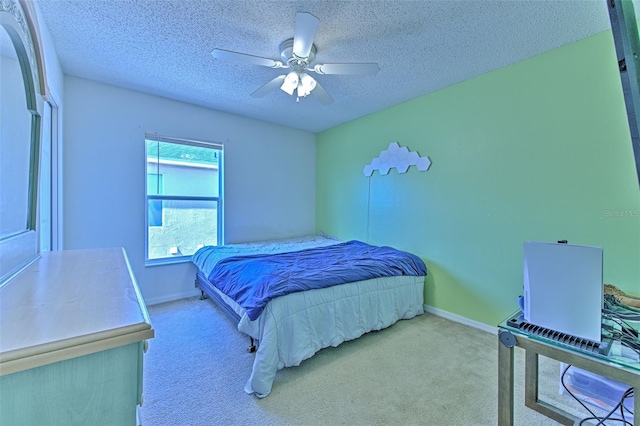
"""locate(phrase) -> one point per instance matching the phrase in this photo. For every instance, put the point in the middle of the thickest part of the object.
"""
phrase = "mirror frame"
(19, 250)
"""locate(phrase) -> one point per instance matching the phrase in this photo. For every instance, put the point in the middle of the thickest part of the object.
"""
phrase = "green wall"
(538, 151)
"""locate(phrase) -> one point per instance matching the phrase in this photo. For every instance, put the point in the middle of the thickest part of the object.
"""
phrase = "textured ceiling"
(164, 47)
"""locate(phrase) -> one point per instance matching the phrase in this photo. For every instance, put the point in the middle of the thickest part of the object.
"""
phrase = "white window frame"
(219, 199)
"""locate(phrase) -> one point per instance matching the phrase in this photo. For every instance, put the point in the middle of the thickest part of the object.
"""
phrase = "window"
(184, 197)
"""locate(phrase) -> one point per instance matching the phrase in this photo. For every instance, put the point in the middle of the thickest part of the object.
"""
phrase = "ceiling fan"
(297, 54)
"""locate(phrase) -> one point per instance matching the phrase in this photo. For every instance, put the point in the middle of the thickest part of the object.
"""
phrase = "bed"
(338, 295)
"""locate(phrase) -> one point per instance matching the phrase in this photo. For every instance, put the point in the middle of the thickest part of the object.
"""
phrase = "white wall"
(269, 175)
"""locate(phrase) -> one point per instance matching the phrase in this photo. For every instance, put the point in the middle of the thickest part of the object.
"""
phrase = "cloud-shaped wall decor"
(399, 157)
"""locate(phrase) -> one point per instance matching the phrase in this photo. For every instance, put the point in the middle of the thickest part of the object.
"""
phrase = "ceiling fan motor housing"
(286, 53)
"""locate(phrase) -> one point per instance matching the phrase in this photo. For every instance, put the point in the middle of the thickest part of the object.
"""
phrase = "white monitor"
(563, 288)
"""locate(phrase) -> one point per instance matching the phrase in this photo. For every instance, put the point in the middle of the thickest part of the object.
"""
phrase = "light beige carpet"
(423, 371)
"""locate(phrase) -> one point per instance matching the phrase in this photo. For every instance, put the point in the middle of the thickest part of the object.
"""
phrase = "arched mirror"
(20, 121)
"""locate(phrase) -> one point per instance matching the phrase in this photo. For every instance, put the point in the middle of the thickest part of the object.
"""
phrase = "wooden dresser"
(73, 330)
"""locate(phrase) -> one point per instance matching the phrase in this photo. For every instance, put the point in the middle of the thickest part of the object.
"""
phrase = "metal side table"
(611, 365)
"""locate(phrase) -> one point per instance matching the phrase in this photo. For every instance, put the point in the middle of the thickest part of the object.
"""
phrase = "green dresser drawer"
(102, 388)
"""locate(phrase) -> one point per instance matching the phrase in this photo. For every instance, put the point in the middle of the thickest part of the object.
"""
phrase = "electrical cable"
(623, 332)
(601, 419)
(629, 393)
(368, 207)
(564, 372)
(627, 335)
(611, 302)
(620, 405)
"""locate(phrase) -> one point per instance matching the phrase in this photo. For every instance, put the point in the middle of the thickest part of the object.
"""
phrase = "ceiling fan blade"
(306, 27)
(273, 84)
(347, 69)
(247, 59)
(321, 94)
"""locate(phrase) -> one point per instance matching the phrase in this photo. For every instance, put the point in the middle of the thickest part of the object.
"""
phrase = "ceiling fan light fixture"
(301, 92)
(306, 85)
(290, 82)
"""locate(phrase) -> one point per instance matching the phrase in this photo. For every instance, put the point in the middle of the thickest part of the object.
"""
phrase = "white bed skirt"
(294, 327)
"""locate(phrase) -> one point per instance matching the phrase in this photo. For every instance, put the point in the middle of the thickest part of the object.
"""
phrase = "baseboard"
(460, 319)
(172, 297)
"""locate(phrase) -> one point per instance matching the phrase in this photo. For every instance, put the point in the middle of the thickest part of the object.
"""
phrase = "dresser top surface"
(70, 298)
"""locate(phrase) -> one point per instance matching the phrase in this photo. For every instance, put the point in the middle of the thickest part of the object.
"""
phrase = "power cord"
(601, 419)
(624, 333)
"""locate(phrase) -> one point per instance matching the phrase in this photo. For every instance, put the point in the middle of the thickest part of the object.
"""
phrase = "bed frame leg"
(203, 296)
(251, 349)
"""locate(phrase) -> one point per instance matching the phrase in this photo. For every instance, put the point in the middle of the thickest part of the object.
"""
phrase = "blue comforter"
(252, 281)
